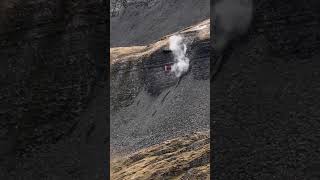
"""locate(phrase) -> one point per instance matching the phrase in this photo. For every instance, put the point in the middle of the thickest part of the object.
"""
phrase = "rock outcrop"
(142, 67)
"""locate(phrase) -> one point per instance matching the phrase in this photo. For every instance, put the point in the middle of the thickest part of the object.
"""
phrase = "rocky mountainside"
(148, 104)
(141, 22)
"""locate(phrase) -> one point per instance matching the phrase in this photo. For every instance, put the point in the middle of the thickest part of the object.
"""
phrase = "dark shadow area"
(264, 94)
(54, 92)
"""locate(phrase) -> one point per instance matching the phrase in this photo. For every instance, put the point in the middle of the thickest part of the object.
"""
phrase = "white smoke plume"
(178, 46)
(232, 18)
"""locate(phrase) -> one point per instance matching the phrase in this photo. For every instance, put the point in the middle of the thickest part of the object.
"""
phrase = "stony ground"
(144, 23)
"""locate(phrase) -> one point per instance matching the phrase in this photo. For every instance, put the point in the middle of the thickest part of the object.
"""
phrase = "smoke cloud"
(233, 18)
(179, 48)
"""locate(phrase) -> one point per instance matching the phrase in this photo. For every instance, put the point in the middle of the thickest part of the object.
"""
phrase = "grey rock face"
(143, 22)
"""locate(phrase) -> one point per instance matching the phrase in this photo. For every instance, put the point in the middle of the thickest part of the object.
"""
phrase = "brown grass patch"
(185, 157)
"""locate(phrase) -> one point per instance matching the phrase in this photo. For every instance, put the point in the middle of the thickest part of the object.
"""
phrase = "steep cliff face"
(265, 98)
(149, 104)
(142, 22)
(51, 56)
